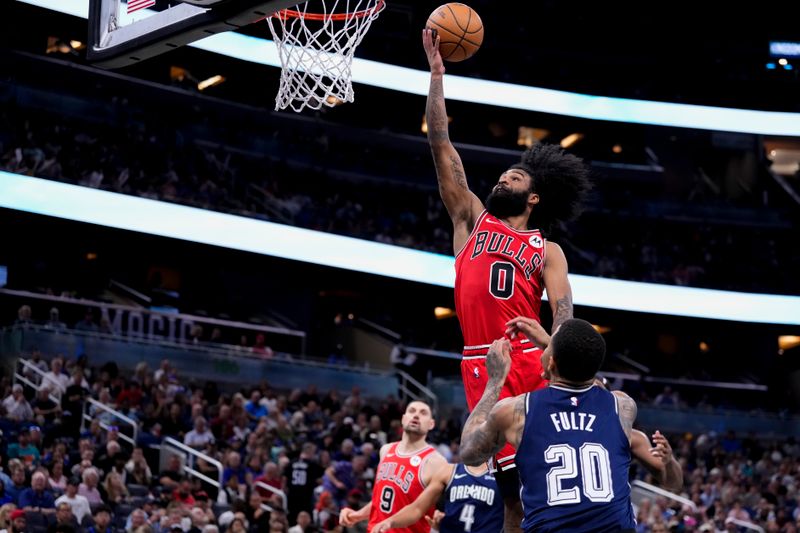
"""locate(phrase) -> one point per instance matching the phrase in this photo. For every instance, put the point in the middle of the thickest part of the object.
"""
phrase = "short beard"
(503, 203)
(407, 429)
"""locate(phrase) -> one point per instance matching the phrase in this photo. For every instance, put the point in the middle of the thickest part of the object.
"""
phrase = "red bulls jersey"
(398, 483)
(498, 277)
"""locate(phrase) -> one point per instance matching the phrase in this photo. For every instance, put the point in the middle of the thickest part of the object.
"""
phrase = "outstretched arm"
(559, 292)
(350, 517)
(462, 205)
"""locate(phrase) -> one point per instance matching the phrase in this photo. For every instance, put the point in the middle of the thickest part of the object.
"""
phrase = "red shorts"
(525, 376)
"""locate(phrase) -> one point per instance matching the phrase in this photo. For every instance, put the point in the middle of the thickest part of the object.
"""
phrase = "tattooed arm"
(627, 412)
(492, 424)
(463, 206)
(559, 292)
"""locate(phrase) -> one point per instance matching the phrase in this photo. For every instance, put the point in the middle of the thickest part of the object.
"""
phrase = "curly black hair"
(560, 179)
(578, 350)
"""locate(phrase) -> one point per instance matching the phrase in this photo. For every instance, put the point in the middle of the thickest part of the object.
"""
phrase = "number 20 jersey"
(573, 462)
(498, 277)
(398, 482)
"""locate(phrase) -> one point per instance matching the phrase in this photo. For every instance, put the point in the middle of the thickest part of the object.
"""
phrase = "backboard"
(124, 32)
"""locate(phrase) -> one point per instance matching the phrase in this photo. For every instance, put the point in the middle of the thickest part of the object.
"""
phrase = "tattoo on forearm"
(478, 442)
(563, 311)
(458, 172)
(435, 112)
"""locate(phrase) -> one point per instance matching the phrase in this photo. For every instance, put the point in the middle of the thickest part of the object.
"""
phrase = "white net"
(316, 50)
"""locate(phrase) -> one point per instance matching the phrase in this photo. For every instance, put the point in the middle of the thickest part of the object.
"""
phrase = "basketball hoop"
(316, 50)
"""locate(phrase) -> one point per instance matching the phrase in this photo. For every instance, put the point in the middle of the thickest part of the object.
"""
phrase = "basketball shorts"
(524, 376)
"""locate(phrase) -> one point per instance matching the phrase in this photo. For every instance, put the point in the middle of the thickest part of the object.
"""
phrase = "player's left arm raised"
(559, 292)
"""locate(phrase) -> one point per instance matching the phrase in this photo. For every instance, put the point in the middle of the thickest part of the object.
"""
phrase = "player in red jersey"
(502, 264)
(405, 469)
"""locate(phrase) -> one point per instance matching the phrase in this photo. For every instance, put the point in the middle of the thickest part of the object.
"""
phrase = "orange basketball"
(460, 30)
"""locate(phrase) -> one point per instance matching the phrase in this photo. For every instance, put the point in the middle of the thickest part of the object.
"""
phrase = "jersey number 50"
(595, 472)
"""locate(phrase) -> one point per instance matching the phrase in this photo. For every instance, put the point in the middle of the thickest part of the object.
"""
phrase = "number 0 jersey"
(498, 277)
(398, 482)
(573, 462)
(473, 504)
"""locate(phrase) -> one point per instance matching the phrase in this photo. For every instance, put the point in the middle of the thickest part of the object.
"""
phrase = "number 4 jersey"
(573, 462)
(472, 503)
(398, 482)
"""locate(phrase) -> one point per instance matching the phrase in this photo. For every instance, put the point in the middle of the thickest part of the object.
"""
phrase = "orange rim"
(293, 13)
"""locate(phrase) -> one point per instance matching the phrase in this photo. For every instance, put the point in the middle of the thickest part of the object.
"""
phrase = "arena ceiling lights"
(83, 204)
(494, 93)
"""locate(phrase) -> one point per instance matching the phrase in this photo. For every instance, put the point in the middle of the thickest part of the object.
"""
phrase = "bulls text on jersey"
(492, 242)
(396, 474)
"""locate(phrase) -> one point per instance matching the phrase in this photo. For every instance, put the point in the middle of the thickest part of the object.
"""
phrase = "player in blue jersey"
(572, 438)
(473, 503)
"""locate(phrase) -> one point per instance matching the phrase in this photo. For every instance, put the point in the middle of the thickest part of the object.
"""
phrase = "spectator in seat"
(256, 515)
(38, 498)
(138, 469)
(260, 347)
(183, 493)
(200, 437)
(271, 477)
(18, 483)
(78, 504)
(24, 450)
(44, 408)
(89, 487)
(234, 468)
(170, 477)
(107, 460)
(55, 322)
(87, 323)
(303, 523)
(63, 517)
(16, 406)
(116, 491)
(255, 409)
(137, 519)
(18, 522)
(55, 380)
(132, 394)
(102, 521)
(4, 496)
(57, 480)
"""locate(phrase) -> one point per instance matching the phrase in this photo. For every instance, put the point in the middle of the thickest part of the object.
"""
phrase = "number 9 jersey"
(398, 482)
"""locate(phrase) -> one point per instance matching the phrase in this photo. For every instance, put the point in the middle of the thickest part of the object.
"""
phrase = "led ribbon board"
(82, 204)
(508, 95)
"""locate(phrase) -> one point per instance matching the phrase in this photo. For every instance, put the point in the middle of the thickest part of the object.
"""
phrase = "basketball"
(460, 30)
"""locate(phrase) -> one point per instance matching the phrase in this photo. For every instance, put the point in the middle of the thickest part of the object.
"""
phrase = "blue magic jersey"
(472, 503)
(573, 462)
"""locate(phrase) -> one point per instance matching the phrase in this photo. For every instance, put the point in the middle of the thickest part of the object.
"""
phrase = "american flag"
(136, 5)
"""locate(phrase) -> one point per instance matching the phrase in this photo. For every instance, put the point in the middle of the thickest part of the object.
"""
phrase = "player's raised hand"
(661, 449)
(529, 327)
(430, 41)
(498, 360)
(383, 527)
(436, 520)
(348, 517)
